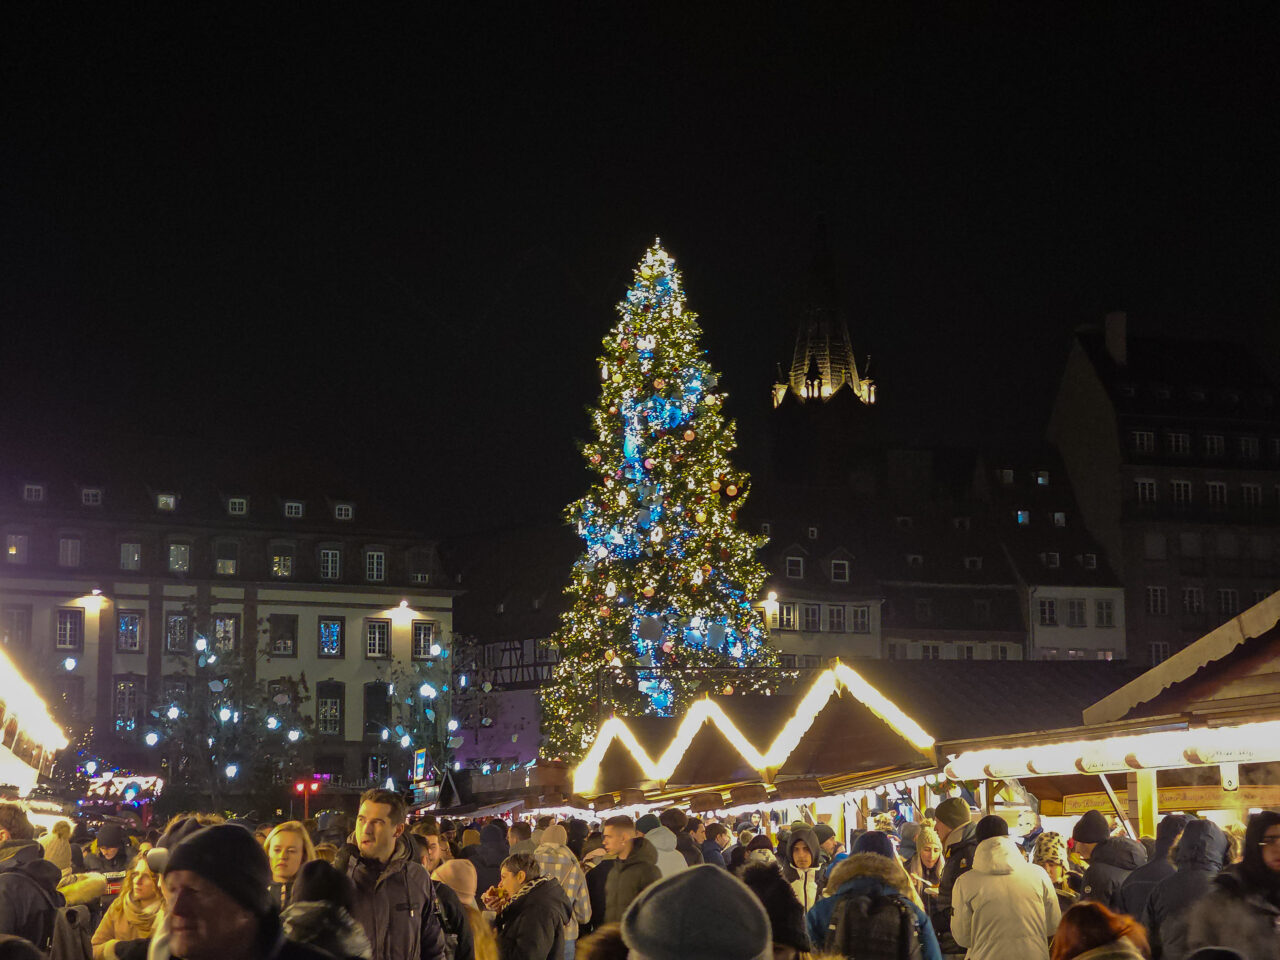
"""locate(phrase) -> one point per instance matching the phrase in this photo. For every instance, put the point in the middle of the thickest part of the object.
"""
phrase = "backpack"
(873, 928)
(72, 934)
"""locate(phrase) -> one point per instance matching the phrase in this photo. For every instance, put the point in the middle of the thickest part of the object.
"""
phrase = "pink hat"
(460, 875)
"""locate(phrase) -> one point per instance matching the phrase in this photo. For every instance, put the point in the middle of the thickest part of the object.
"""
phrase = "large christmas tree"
(662, 595)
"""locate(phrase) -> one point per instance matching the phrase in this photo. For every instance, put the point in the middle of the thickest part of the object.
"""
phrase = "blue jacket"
(869, 874)
(711, 853)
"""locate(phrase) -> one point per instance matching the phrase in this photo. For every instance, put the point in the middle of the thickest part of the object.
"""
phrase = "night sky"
(400, 241)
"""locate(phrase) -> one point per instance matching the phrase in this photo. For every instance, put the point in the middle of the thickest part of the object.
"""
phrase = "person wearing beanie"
(646, 823)
(111, 854)
(1159, 866)
(1004, 906)
(1242, 908)
(635, 866)
(700, 912)
(801, 870)
(871, 877)
(670, 860)
(956, 830)
(786, 913)
(1198, 855)
(215, 885)
(926, 866)
(487, 852)
(556, 860)
(1111, 859)
(1050, 855)
(395, 900)
(760, 850)
(319, 913)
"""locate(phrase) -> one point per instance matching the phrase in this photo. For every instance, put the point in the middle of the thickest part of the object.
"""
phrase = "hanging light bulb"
(295, 735)
(224, 714)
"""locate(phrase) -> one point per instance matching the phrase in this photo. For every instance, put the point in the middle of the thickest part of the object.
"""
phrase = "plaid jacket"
(559, 862)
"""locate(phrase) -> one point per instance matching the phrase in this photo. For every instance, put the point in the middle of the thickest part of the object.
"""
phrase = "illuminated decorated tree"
(662, 595)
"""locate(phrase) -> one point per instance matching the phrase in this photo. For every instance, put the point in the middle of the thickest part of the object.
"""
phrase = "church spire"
(823, 362)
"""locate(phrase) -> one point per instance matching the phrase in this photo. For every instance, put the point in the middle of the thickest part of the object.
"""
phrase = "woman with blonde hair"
(926, 866)
(288, 847)
(134, 914)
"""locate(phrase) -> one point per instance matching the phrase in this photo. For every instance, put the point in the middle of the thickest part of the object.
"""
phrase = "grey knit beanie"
(670, 919)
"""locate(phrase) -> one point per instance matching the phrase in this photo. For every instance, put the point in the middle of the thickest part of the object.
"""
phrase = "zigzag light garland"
(766, 764)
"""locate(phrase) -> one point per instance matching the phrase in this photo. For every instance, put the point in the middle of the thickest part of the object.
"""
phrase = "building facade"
(1173, 449)
(111, 591)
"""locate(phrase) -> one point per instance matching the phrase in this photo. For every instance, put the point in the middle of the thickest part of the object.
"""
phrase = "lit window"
(1104, 613)
(1144, 441)
(839, 571)
(811, 616)
(227, 560)
(33, 492)
(343, 511)
(179, 557)
(177, 633)
(91, 496)
(16, 545)
(68, 551)
(70, 630)
(331, 638)
(226, 628)
(787, 615)
(129, 632)
(1048, 613)
(330, 563)
(860, 619)
(1059, 519)
(1076, 613)
(973, 563)
(328, 715)
(1157, 601)
(237, 506)
(835, 619)
(424, 635)
(293, 509)
(167, 501)
(1180, 444)
(377, 638)
(795, 568)
(130, 556)
(1215, 445)
(375, 566)
(283, 631)
(281, 565)
(1042, 478)
(128, 702)
(1022, 517)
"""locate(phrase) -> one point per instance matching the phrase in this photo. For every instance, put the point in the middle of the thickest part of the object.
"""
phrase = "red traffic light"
(315, 786)
(300, 787)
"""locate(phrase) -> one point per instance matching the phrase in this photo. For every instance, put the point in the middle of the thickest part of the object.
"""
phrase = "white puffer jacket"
(1004, 907)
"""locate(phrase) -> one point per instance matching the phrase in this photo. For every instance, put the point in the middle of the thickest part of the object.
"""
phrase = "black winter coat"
(29, 897)
(1237, 915)
(456, 921)
(959, 854)
(1112, 862)
(531, 927)
(1167, 913)
(687, 847)
(395, 903)
(487, 856)
(597, 878)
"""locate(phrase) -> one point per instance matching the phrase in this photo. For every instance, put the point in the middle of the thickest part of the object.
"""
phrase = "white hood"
(662, 838)
(998, 855)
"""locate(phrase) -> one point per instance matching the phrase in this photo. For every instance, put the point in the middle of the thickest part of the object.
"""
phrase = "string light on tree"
(663, 588)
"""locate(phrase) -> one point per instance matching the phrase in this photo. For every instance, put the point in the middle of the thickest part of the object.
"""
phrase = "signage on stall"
(1207, 797)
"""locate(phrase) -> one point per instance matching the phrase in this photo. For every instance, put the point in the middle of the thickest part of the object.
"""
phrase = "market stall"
(29, 736)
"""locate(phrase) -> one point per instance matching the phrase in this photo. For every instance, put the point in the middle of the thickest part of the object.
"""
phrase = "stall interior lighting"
(19, 699)
(765, 764)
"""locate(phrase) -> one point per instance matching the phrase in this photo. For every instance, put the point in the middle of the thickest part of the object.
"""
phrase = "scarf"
(141, 918)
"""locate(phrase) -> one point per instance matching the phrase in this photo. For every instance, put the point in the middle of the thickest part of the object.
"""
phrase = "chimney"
(1115, 338)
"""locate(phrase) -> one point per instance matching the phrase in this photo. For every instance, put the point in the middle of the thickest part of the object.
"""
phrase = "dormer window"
(33, 492)
(915, 561)
(766, 529)
(795, 568)
(1059, 519)
(839, 571)
(238, 506)
(1090, 561)
(91, 496)
(1051, 560)
(1042, 478)
(813, 533)
(973, 563)
(167, 502)
(1023, 517)
(343, 511)
(293, 509)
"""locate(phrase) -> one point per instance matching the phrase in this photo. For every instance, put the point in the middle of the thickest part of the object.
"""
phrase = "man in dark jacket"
(111, 855)
(487, 855)
(1110, 859)
(958, 833)
(1198, 857)
(29, 897)
(395, 901)
(453, 916)
(688, 838)
(634, 869)
(215, 883)
(1139, 884)
(532, 911)
(713, 847)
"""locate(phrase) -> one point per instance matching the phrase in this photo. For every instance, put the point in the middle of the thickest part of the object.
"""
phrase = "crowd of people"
(950, 885)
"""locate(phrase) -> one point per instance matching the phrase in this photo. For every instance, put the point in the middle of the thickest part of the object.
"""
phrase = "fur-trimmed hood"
(83, 888)
(871, 865)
